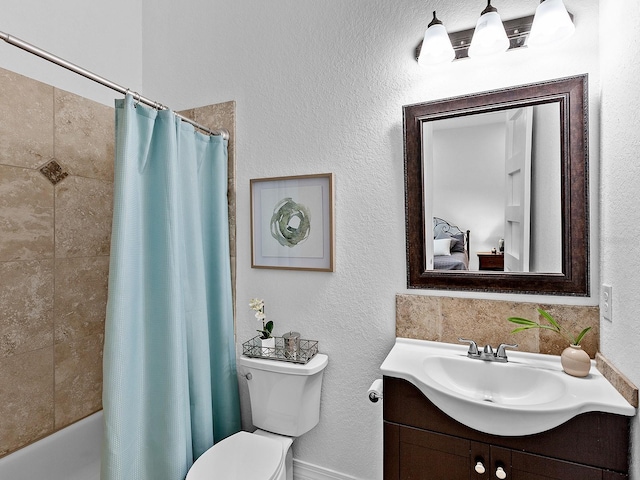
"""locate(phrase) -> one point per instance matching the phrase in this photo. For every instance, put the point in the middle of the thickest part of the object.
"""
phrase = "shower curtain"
(170, 388)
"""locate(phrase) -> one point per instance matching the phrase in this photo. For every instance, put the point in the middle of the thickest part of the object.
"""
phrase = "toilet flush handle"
(248, 376)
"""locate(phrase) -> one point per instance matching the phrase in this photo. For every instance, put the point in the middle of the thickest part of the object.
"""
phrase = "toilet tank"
(285, 397)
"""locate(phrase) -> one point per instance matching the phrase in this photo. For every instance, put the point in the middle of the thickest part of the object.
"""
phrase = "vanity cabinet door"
(432, 456)
(422, 443)
(525, 466)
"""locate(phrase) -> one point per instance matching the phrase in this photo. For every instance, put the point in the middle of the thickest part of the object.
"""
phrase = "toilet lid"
(241, 456)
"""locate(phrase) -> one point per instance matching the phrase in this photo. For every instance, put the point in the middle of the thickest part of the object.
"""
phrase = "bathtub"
(72, 453)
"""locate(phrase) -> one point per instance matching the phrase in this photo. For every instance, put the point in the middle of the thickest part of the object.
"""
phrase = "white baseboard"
(307, 471)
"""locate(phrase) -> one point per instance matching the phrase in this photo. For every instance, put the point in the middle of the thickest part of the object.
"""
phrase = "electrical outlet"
(607, 302)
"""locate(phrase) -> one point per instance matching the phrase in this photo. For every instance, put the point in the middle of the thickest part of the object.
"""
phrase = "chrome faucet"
(487, 353)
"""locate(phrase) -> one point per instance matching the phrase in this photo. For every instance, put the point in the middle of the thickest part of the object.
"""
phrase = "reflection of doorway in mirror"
(517, 197)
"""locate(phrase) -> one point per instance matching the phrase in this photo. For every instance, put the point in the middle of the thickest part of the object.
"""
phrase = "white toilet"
(285, 403)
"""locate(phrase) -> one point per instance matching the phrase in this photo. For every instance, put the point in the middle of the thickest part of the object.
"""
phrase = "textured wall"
(620, 170)
(54, 256)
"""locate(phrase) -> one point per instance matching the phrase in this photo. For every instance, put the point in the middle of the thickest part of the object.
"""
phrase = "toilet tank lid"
(313, 366)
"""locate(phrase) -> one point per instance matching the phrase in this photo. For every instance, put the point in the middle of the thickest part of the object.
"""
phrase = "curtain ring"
(137, 101)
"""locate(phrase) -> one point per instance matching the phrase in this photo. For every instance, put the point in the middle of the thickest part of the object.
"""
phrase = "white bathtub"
(72, 453)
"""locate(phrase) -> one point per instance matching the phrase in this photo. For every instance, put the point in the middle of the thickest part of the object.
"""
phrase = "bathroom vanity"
(448, 416)
(423, 443)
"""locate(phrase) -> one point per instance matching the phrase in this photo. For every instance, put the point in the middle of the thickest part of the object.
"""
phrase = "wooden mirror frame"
(571, 94)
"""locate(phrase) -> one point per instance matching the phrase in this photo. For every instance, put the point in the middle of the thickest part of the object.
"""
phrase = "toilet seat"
(241, 456)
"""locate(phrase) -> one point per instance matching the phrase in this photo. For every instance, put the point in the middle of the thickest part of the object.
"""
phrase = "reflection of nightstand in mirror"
(491, 261)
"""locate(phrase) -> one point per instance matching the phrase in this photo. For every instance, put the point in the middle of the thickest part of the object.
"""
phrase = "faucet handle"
(473, 347)
(501, 353)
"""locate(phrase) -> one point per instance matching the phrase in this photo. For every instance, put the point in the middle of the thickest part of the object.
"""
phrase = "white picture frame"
(292, 224)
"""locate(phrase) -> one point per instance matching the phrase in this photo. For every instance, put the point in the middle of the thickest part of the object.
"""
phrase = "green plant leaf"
(549, 318)
(269, 326)
(523, 321)
(581, 335)
(521, 329)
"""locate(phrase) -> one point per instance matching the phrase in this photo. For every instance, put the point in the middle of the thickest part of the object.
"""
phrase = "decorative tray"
(302, 352)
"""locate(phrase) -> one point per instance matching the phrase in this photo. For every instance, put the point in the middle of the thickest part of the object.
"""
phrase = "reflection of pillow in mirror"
(457, 241)
(442, 246)
(458, 244)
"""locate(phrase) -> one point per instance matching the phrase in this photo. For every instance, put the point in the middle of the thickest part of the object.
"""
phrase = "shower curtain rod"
(103, 81)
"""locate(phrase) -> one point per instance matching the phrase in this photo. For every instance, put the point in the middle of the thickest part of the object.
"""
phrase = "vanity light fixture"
(489, 37)
(437, 46)
(551, 23)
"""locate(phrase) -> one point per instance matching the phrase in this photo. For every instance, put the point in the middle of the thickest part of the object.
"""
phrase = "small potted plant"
(575, 361)
(268, 342)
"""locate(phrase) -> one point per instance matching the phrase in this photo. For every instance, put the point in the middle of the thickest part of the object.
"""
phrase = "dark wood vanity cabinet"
(423, 443)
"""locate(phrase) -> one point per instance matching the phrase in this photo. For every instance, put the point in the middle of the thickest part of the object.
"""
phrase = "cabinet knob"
(500, 473)
(480, 468)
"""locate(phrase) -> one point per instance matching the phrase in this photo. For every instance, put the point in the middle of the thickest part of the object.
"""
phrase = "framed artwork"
(292, 222)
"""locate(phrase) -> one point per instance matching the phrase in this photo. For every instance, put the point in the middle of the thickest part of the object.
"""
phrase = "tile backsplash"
(445, 319)
(56, 197)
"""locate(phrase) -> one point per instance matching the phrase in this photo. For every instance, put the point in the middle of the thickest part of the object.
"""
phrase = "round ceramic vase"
(575, 361)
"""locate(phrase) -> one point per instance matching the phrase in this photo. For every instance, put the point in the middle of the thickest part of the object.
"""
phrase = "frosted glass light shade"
(436, 46)
(551, 24)
(489, 37)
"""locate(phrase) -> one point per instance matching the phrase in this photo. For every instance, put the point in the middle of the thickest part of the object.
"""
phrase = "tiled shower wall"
(55, 224)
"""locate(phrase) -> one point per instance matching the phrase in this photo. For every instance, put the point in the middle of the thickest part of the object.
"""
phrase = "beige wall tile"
(26, 129)
(84, 136)
(418, 317)
(621, 383)
(573, 319)
(218, 115)
(26, 398)
(485, 322)
(26, 316)
(26, 214)
(80, 297)
(77, 213)
(78, 378)
(84, 209)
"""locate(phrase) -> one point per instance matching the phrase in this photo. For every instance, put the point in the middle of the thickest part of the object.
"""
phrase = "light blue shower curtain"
(170, 388)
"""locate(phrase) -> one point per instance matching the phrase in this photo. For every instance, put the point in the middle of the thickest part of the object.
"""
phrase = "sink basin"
(527, 395)
(500, 383)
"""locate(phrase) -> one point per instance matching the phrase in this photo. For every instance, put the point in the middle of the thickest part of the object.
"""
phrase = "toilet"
(285, 403)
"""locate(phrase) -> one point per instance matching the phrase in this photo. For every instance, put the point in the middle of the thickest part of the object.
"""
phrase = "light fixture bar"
(517, 31)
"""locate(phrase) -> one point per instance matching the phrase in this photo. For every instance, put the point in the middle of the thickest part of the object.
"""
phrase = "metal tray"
(305, 352)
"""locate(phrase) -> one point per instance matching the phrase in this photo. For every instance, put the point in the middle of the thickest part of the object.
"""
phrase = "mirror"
(498, 184)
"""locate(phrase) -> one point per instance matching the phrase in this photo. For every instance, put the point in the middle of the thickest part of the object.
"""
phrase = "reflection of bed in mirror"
(451, 246)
